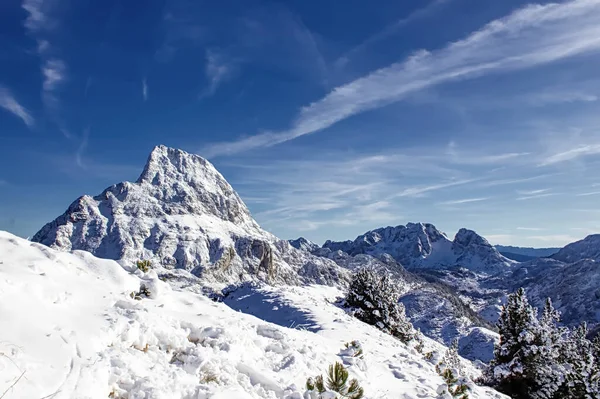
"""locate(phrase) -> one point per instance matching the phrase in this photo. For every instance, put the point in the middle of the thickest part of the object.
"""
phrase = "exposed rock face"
(182, 213)
(421, 245)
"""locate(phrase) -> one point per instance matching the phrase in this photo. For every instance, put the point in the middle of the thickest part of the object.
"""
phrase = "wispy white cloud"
(421, 190)
(40, 22)
(38, 18)
(571, 154)
(390, 30)
(10, 104)
(554, 239)
(588, 193)
(531, 36)
(504, 182)
(534, 196)
(219, 69)
(530, 228)
(460, 157)
(560, 96)
(43, 46)
(533, 192)
(145, 89)
(464, 201)
(81, 149)
(54, 72)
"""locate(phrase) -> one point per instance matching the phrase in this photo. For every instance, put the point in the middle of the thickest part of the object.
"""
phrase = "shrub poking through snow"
(354, 349)
(144, 292)
(450, 360)
(420, 344)
(450, 369)
(373, 299)
(453, 387)
(144, 265)
(337, 383)
(209, 376)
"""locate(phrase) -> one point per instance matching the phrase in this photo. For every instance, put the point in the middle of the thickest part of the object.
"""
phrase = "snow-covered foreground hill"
(71, 330)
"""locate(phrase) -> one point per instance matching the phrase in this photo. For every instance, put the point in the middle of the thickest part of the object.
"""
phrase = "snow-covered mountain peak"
(304, 244)
(588, 248)
(422, 245)
(194, 183)
(466, 237)
(167, 165)
(182, 213)
(476, 253)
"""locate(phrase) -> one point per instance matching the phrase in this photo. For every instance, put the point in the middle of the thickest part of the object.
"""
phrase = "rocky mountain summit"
(182, 214)
(304, 244)
(422, 245)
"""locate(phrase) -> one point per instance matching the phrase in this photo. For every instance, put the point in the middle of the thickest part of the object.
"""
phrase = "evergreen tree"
(581, 366)
(373, 299)
(543, 355)
(538, 359)
(520, 361)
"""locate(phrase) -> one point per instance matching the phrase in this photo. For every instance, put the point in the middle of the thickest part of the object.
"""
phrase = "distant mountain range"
(522, 254)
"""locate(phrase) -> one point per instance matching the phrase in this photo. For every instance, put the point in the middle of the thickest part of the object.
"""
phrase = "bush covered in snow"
(373, 299)
(536, 358)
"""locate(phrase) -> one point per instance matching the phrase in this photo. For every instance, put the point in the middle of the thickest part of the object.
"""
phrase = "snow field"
(69, 326)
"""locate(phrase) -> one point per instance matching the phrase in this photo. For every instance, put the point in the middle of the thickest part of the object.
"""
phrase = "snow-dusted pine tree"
(525, 363)
(373, 299)
(581, 366)
(538, 359)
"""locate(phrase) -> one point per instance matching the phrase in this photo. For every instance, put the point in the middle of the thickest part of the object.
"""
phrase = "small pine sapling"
(456, 389)
(144, 265)
(450, 368)
(337, 381)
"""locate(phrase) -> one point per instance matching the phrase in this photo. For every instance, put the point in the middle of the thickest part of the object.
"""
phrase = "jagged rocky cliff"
(422, 245)
(182, 213)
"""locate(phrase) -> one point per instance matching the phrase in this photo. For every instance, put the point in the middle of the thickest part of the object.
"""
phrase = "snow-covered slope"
(182, 213)
(434, 308)
(422, 245)
(71, 330)
(588, 248)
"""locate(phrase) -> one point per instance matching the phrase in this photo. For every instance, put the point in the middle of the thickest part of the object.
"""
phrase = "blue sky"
(329, 119)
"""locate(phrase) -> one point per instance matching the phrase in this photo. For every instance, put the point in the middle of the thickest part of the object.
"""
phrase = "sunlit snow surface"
(69, 324)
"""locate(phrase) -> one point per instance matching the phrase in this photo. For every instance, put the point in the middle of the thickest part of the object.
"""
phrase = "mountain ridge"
(182, 214)
(422, 245)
